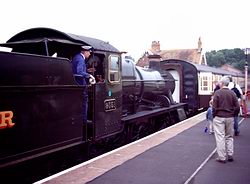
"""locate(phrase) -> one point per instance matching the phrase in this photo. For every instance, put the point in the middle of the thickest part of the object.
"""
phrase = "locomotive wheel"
(162, 101)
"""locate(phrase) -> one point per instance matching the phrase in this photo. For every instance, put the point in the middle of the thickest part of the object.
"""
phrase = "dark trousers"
(85, 105)
(236, 125)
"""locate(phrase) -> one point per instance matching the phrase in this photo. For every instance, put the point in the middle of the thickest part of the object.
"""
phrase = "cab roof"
(39, 35)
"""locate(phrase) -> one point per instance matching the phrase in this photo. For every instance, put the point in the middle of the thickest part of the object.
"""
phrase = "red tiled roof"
(191, 55)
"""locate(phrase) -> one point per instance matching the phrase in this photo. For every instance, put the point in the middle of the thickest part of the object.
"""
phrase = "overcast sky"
(131, 25)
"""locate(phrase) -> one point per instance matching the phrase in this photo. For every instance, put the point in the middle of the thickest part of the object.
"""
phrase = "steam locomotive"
(41, 121)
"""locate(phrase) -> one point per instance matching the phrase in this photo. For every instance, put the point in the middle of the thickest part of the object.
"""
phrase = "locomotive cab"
(41, 103)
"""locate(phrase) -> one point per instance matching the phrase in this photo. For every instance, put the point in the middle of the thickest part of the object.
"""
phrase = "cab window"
(114, 69)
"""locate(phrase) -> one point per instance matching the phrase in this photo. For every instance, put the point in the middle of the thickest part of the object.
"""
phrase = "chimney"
(154, 61)
(199, 45)
(155, 46)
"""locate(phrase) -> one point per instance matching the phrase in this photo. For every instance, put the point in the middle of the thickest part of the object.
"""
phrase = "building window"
(205, 83)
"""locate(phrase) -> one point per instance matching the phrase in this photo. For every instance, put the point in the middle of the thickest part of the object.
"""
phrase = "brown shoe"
(230, 158)
(221, 161)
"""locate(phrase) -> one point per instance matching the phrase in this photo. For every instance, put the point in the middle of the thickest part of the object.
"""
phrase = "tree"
(235, 57)
(215, 59)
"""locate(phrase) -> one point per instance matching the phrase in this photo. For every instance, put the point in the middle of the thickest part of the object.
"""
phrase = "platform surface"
(179, 154)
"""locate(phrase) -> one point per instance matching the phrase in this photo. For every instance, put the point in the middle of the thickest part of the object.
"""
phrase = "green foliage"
(235, 57)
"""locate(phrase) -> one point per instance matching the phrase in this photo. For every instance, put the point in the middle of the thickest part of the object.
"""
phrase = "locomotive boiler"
(145, 88)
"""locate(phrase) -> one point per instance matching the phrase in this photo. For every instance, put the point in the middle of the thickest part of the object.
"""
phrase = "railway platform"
(182, 153)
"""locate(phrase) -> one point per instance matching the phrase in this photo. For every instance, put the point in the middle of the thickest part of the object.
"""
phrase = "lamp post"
(245, 106)
(246, 70)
